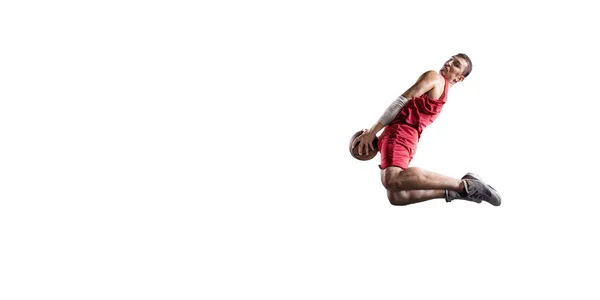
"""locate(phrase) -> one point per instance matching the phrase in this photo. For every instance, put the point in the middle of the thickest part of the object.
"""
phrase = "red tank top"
(416, 114)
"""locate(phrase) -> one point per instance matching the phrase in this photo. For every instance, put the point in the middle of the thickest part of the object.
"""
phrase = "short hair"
(469, 66)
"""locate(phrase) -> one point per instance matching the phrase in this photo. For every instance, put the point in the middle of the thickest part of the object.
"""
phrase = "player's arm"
(424, 84)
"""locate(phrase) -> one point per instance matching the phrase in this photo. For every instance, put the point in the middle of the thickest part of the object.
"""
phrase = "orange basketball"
(354, 152)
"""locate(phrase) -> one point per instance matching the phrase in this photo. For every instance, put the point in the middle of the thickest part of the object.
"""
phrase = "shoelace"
(473, 192)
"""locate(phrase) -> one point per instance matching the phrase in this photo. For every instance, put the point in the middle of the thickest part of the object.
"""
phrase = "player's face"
(454, 68)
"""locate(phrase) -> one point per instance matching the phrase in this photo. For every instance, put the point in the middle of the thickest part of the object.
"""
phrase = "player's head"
(457, 68)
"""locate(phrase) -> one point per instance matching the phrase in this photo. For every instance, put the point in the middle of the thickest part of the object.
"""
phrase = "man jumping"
(404, 121)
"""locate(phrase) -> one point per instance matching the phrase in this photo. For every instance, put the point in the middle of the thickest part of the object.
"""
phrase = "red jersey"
(398, 141)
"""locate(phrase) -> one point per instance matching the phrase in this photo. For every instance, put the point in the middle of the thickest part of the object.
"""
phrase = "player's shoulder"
(431, 76)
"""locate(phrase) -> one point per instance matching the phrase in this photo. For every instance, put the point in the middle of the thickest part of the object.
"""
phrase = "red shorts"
(397, 146)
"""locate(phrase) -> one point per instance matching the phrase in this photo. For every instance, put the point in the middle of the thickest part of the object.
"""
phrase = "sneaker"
(472, 176)
(476, 191)
(451, 195)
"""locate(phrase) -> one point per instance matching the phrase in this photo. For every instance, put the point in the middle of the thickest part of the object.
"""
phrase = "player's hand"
(364, 142)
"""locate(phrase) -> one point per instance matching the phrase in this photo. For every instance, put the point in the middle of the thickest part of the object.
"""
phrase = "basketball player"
(404, 121)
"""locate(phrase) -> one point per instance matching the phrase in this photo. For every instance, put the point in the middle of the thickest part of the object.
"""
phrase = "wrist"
(370, 133)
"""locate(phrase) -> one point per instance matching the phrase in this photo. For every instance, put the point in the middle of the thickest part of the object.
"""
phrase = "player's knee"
(391, 180)
(398, 198)
(388, 184)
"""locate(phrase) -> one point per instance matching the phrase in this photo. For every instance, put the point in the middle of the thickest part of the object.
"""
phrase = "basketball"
(354, 152)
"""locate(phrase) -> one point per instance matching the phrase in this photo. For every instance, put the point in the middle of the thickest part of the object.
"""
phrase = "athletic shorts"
(397, 147)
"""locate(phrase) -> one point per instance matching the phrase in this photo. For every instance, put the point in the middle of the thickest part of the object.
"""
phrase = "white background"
(198, 150)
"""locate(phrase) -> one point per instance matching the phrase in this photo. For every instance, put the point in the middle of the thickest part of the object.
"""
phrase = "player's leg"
(415, 185)
(407, 183)
(414, 196)
(395, 178)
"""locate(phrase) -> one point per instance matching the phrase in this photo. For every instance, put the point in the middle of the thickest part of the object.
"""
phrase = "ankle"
(461, 187)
